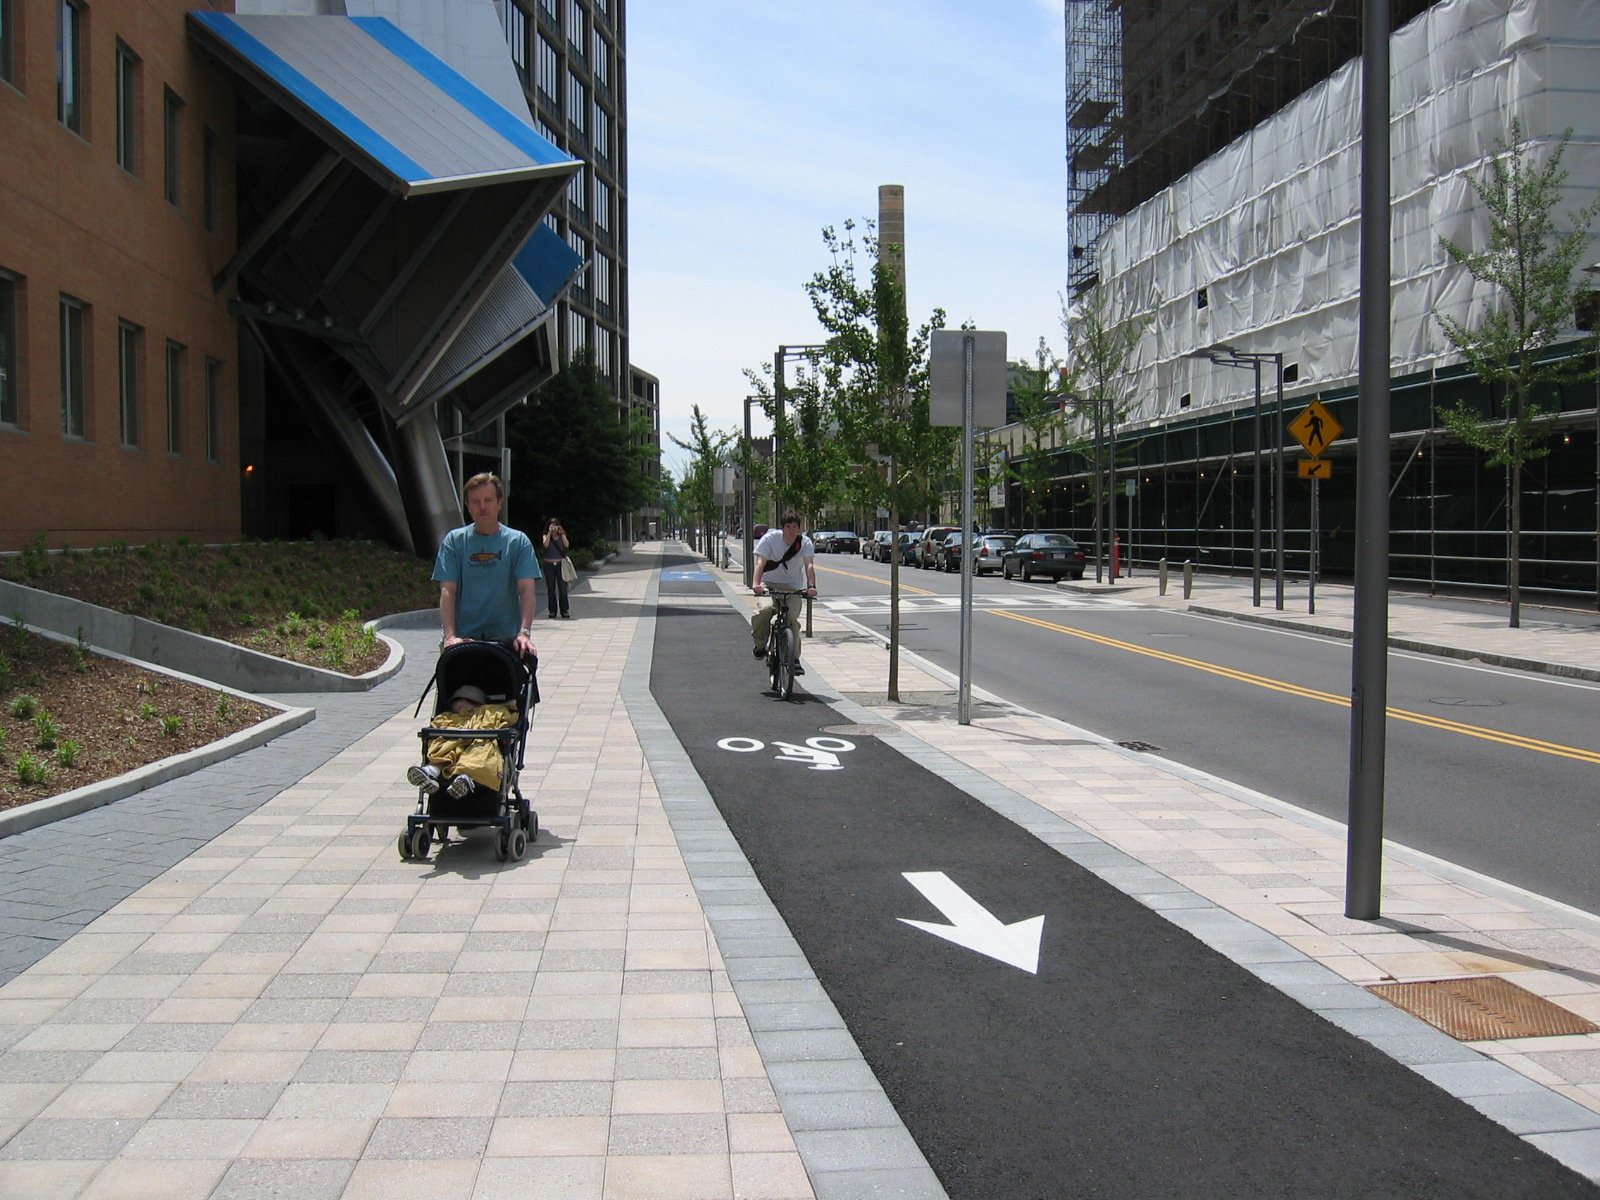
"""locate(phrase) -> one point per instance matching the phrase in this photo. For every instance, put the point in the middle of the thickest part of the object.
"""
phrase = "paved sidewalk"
(286, 1008)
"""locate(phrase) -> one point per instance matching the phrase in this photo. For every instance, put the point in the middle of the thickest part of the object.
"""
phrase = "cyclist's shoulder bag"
(794, 548)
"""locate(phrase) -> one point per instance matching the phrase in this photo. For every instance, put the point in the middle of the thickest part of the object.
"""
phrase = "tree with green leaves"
(574, 456)
(708, 450)
(1101, 335)
(810, 461)
(1531, 265)
(1038, 390)
(875, 374)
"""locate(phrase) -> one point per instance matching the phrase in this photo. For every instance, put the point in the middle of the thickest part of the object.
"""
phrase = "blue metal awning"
(410, 119)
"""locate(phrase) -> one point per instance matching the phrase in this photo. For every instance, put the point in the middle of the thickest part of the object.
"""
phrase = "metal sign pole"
(1369, 687)
(1311, 582)
(964, 709)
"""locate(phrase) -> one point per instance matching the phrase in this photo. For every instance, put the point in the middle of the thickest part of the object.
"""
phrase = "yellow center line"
(1277, 685)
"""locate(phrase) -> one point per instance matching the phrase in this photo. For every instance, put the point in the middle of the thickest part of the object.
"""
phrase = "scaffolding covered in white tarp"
(1258, 246)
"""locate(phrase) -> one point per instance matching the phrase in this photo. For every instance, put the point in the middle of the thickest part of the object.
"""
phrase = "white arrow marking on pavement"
(974, 926)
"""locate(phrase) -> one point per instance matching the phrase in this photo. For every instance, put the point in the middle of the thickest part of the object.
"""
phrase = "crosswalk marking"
(872, 604)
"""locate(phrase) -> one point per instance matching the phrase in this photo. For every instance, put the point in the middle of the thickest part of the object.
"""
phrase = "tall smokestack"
(892, 230)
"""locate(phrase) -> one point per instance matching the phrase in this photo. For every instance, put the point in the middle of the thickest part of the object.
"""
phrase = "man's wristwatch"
(527, 631)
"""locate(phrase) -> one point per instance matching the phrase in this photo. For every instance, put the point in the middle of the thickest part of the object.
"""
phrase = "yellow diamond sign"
(1315, 429)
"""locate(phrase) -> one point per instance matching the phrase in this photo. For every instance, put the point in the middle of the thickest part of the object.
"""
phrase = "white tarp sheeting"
(1269, 226)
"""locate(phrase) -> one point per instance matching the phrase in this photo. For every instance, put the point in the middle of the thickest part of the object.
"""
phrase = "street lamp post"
(1227, 356)
(749, 494)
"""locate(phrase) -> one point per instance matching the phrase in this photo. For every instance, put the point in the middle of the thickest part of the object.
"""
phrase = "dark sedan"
(1052, 554)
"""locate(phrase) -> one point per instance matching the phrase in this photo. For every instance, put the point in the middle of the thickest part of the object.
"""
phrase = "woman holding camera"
(558, 569)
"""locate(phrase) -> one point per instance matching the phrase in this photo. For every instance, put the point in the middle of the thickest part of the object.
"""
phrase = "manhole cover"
(1465, 702)
(857, 730)
(1140, 747)
(1482, 1008)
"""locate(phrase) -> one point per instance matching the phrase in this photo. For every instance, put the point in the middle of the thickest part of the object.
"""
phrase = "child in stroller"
(472, 751)
(460, 764)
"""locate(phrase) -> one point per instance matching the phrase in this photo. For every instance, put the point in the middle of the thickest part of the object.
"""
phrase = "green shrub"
(171, 725)
(23, 707)
(35, 558)
(44, 726)
(147, 711)
(601, 547)
(31, 770)
(582, 559)
(67, 753)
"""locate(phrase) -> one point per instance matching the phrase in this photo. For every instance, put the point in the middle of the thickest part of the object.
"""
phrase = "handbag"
(569, 573)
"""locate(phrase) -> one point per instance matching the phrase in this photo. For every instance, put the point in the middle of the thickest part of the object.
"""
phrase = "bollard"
(1161, 576)
(1188, 578)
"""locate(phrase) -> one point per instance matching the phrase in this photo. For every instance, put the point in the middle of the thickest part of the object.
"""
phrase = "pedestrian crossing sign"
(1315, 429)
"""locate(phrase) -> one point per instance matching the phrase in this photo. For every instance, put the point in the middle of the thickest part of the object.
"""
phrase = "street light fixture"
(1226, 356)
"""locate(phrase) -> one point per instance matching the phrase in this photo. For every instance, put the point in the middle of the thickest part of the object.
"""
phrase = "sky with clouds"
(752, 124)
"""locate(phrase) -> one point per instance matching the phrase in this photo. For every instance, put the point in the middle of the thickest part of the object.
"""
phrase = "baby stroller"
(503, 678)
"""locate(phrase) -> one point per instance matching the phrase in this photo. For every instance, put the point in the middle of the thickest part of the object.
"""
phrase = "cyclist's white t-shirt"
(772, 547)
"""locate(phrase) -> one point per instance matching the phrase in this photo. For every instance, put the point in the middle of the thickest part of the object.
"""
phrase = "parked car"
(877, 546)
(843, 541)
(927, 555)
(1052, 554)
(987, 551)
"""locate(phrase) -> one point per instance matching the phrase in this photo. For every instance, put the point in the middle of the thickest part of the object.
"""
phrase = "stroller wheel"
(502, 845)
(416, 843)
(530, 825)
(518, 845)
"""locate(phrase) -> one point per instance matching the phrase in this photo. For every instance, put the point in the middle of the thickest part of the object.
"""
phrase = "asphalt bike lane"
(1040, 1033)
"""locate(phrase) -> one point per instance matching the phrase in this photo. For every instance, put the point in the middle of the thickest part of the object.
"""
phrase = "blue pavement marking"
(61, 877)
(685, 576)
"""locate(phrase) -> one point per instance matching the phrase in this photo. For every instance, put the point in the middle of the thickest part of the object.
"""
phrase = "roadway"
(1494, 769)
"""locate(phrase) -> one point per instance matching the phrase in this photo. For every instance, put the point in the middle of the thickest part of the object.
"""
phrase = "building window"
(575, 24)
(208, 179)
(546, 132)
(515, 22)
(171, 129)
(601, 61)
(10, 405)
(579, 247)
(577, 332)
(549, 7)
(577, 102)
(8, 38)
(602, 133)
(602, 205)
(74, 315)
(545, 69)
(602, 354)
(213, 410)
(69, 66)
(174, 398)
(577, 193)
(600, 273)
(127, 109)
(128, 380)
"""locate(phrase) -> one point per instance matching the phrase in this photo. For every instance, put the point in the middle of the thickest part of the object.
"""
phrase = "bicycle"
(782, 649)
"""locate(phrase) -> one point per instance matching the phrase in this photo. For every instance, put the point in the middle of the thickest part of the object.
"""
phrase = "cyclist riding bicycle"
(785, 561)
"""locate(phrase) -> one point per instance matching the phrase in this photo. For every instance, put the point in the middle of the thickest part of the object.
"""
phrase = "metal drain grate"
(1141, 747)
(1482, 1008)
